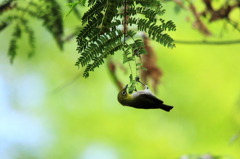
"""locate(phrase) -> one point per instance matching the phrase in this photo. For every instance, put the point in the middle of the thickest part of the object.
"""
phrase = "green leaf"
(144, 68)
(13, 43)
(139, 64)
(72, 5)
(131, 77)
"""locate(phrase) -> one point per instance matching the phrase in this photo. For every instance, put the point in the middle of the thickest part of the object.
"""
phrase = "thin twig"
(193, 42)
(198, 22)
(233, 24)
(72, 35)
(67, 83)
(230, 42)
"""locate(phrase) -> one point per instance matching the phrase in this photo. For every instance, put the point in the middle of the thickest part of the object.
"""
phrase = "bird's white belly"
(146, 91)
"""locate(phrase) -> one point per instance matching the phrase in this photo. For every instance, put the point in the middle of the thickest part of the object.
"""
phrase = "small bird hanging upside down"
(143, 99)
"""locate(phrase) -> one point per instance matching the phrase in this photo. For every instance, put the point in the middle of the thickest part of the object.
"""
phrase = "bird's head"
(123, 96)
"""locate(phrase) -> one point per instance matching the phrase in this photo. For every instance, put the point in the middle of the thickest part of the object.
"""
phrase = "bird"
(142, 99)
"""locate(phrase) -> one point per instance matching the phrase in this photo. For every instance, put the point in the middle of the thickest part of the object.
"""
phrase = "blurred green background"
(40, 119)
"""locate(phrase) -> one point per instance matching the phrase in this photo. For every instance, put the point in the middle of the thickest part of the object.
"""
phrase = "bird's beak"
(126, 87)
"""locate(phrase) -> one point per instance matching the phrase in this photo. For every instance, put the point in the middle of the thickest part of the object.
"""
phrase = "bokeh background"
(47, 110)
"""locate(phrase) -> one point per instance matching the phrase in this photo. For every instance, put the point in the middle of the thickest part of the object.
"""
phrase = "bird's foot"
(138, 80)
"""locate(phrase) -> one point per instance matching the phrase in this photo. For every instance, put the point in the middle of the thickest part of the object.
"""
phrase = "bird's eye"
(124, 93)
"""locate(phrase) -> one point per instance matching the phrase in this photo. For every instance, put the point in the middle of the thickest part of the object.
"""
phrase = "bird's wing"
(150, 98)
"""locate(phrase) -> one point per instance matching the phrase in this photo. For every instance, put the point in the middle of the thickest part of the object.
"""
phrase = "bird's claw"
(146, 87)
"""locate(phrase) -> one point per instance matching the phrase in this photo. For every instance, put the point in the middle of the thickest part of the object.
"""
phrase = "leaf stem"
(125, 30)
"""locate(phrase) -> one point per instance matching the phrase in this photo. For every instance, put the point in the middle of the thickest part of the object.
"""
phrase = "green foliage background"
(84, 118)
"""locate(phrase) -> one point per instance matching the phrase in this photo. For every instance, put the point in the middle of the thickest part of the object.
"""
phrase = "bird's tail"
(166, 107)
